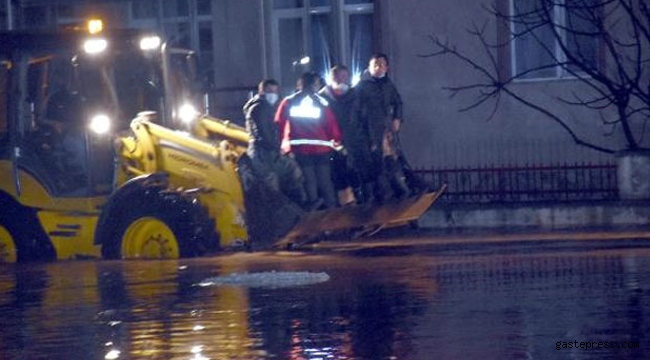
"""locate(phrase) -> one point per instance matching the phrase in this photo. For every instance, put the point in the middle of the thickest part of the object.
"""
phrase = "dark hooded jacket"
(260, 125)
(376, 104)
(341, 105)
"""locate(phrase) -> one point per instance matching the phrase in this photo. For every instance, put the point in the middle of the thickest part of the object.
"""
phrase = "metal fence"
(577, 182)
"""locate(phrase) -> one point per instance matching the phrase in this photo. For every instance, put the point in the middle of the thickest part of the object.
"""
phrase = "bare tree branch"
(617, 70)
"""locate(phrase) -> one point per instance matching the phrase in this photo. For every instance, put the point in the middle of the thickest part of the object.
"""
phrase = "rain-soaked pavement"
(515, 299)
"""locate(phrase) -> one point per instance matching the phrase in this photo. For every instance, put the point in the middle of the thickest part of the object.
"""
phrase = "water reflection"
(407, 307)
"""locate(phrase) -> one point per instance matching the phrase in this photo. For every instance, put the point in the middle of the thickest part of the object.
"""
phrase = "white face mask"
(272, 98)
(342, 87)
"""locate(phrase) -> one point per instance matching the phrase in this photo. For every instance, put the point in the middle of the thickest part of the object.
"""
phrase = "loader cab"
(4, 95)
(63, 101)
(182, 88)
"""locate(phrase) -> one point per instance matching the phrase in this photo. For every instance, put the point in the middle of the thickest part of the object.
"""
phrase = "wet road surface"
(576, 296)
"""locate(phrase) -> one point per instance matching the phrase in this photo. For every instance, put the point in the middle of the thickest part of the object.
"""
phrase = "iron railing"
(532, 183)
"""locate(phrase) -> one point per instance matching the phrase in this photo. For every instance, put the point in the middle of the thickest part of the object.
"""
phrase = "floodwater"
(490, 303)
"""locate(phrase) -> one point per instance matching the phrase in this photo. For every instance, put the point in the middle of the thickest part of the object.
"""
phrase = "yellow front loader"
(81, 178)
(103, 155)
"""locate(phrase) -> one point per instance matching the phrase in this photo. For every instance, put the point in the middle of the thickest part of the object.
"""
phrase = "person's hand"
(396, 124)
(336, 145)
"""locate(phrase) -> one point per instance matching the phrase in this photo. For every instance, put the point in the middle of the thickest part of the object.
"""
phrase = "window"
(175, 8)
(38, 17)
(3, 18)
(65, 11)
(204, 7)
(287, 4)
(326, 32)
(360, 42)
(4, 94)
(68, 14)
(539, 29)
(144, 10)
(185, 23)
(206, 51)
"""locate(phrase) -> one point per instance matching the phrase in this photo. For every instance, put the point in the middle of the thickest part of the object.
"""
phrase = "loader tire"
(159, 225)
(21, 237)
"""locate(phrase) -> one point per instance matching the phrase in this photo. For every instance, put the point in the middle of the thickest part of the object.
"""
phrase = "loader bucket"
(362, 217)
(269, 213)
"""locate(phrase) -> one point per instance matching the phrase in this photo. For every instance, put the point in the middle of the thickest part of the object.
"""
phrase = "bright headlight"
(149, 43)
(95, 26)
(100, 124)
(95, 46)
(187, 113)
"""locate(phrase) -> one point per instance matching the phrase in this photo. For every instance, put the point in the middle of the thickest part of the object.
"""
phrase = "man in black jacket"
(377, 117)
(259, 112)
(340, 99)
(280, 172)
(272, 182)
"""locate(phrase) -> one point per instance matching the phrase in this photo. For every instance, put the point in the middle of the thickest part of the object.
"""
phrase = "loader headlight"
(95, 26)
(100, 124)
(95, 45)
(149, 43)
(187, 113)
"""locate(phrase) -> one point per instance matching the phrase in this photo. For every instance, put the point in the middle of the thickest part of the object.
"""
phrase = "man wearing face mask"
(377, 116)
(280, 172)
(259, 112)
(340, 99)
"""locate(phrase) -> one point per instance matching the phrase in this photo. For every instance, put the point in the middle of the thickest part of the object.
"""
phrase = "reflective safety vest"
(307, 124)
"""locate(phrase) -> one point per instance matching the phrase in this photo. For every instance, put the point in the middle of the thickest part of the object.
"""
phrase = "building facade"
(243, 41)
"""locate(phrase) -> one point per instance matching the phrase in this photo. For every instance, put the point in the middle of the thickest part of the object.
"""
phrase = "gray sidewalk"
(619, 214)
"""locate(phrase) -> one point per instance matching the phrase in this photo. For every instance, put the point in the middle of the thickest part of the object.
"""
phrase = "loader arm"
(215, 129)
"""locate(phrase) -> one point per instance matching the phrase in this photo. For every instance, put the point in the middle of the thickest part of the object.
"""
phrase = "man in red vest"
(309, 131)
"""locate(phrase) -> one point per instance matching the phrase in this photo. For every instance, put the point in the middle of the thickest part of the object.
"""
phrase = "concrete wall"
(551, 216)
(436, 133)
(239, 56)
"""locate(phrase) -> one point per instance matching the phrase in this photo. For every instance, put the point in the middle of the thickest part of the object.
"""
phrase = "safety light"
(302, 61)
(356, 77)
(306, 109)
(100, 124)
(95, 26)
(95, 46)
(187, 113)
(149, 43)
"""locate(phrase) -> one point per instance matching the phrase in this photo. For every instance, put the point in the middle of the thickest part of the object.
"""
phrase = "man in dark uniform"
(280, 172)
(272, 182)
(377, 117)
(340, 99)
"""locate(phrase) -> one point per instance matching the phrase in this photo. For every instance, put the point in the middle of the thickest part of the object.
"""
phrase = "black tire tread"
(187, 219)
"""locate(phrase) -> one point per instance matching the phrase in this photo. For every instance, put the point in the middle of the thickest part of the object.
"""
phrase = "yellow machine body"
(191, 164)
